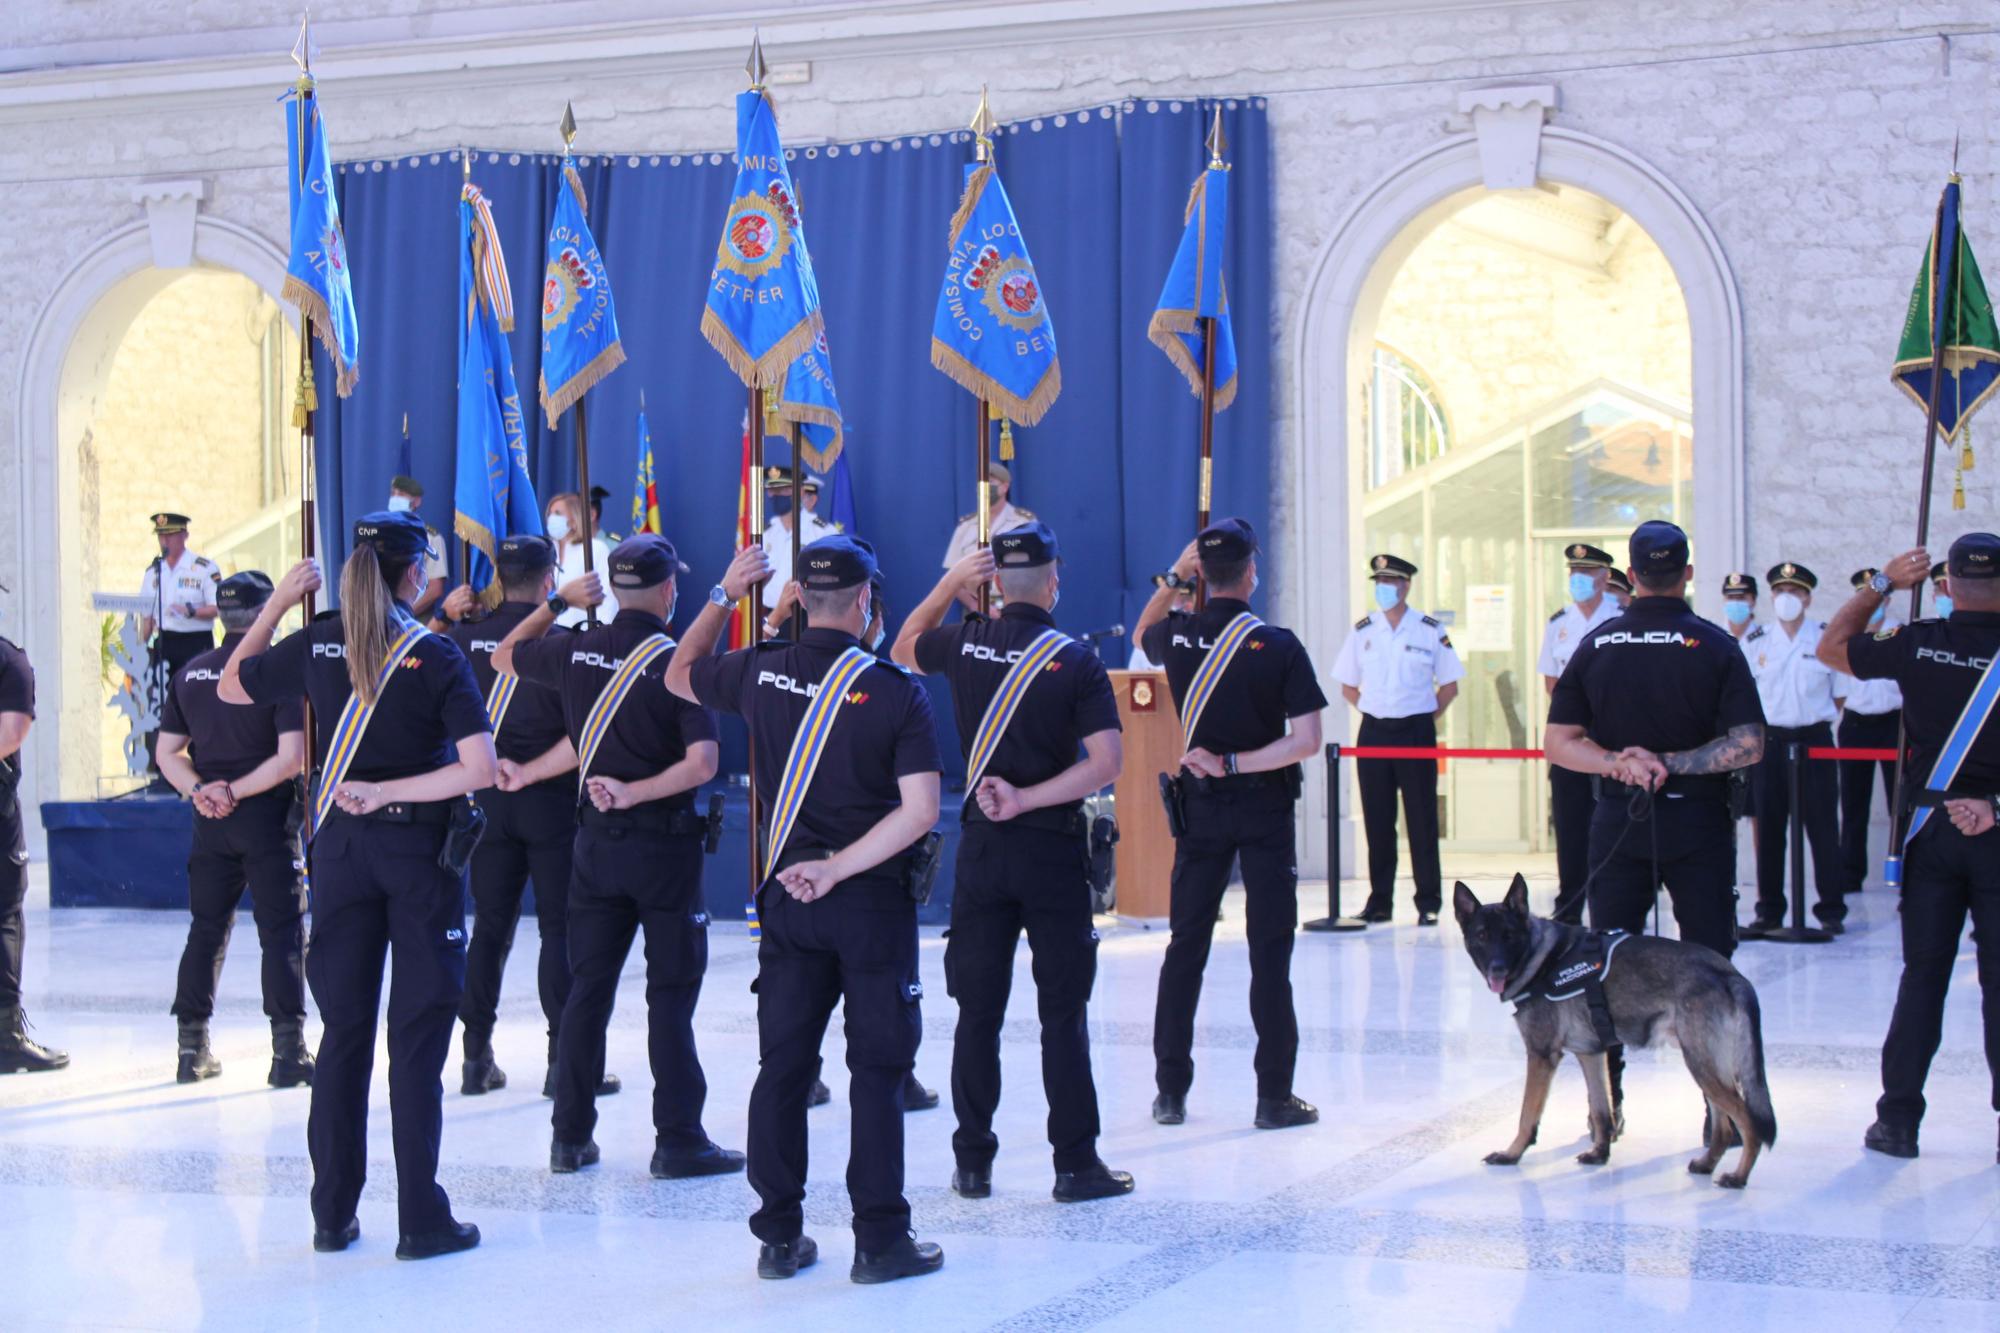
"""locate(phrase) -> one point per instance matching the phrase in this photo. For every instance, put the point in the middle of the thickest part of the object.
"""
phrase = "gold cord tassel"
(773, 423)
(1006, 440)
(305, 401)
(1965, 452)
(1958, 491)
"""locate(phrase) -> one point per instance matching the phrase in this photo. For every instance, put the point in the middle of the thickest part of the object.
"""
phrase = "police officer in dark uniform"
(1024, 855)
(1951, 864)
(1659, 706)
(239, 765)
(387, 860)
(530, 816)
(837, 914)
(638, 850)
(1238, 781)
(19, 1053)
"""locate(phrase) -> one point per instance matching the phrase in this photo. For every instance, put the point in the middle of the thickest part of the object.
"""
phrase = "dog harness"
(1578, 971)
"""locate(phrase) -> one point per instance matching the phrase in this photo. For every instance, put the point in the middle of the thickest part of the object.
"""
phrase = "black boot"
(608, 1085)
(819, 1095)
(917, 1097)
(291, 1062)
(480, 1074)
(1284, 1113)
(1096, 1181)
(197, 1061)
(906, 1257)
(19, 1054)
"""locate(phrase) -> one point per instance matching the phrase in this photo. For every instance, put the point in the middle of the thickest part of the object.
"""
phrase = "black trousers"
(628, 880)
(529, 833)
(1819, 807)
(1945, 876)
(1697, 867)
(1011, 879)
(1864, 731)
(1416, 780)
(1571, 805)
(858, 944)
(378, 890)
(1257, 827)
(255, 847)
(13, 893)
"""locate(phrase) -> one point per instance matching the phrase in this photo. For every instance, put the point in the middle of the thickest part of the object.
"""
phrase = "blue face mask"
(780, 506)
(1738, 613)
(1582, 587)
(1944, 606)
(1876, 619)
(1385, 595)
(399, 504)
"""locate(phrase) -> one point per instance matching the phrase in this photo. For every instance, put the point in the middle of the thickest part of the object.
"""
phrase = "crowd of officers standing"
(510, 748)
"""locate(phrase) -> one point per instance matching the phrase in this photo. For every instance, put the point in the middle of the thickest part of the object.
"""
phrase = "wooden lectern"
(1152, 747)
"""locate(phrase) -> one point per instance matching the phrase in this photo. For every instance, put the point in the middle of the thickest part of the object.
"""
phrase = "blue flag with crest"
(494, 497)
(809, 399)
(316, 278)
(1196, 290)
(992, 332)
(579, 322)
(763, 301)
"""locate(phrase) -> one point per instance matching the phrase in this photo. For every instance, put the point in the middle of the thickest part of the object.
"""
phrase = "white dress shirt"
(1565, 631)
(1398, 669)
(1795, 686)
(570, 566)
(435, 566)
(778, 546)
(1870, 697)
(966, 535)
(190, 583)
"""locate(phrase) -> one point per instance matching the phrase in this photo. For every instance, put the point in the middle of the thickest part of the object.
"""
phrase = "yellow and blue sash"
(1202, 688)
(1958, 744)
(354, 719)
(1001, 707)
(807, 746)
(597, 723)
(499, 698)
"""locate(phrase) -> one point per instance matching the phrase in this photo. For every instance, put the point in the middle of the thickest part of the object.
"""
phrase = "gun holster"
(1739, 793)
(1173, 795)
(711, 837)
(461, 835)
(921, 867)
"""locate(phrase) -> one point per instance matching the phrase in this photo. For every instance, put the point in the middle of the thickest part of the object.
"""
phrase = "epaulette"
(1754, 634)
(1027, 514)
(967, 518)
(1431, 621)
(201, 560)
(1363, 622)
(1557, 616)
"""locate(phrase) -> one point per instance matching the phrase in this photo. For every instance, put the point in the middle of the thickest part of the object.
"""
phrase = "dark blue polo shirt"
(1938, 663)
(1269, 682)
(226, 741)
(534, 720)
(1659, 677)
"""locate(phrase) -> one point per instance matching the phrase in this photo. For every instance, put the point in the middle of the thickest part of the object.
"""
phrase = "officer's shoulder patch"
(1431, 621)
(1444, 640)
(1889, 632)
(1363, 622)
(1757, 633)
(1557, 616)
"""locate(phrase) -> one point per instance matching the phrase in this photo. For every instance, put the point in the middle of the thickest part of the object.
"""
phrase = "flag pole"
(753, 498)
(568, 128)
(306, 400)
(983, 126)
(1205, 480)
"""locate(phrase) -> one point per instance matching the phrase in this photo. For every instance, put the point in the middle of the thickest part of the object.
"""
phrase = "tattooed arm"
(1739, 747)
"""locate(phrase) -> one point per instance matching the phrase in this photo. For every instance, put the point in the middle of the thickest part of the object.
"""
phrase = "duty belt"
(407, 812)
(1232, 783)
(652, 817)
(1066, 819)
(1707, 786)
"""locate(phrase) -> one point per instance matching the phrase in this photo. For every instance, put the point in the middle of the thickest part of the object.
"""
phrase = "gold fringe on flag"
(312, 308)
(554, 405)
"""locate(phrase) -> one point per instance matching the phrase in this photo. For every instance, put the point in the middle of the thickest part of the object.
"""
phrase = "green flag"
(1962, 320)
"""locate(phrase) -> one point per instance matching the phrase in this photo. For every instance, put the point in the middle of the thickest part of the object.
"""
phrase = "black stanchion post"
(1333, 920)
(1798, 932)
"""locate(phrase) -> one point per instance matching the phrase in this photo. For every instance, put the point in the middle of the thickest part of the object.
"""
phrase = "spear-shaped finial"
(302, 52)
(982, 127)
(1218, 142)
(642, 399)
(568, 127)
(756, 67)
(465, 158)
(1955, 178)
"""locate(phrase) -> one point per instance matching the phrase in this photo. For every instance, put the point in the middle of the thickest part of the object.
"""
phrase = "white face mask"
(399, 504)
(1789, 606)
(558, 526)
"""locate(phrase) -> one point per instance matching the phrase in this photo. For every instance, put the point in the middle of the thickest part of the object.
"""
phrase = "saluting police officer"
(1951, 862)
(1026, 698)
(1799, 706)
(530, 816)
(1238, 782)
(239, 765)
(1871, 718)
(388, 825)
(836, 909)
(641, 755)
(1570, 798)
(19, 1053)
(1399, 670)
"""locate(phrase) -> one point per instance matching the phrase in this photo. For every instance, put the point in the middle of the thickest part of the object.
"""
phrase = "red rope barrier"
(1839, 752)
(1448, 752)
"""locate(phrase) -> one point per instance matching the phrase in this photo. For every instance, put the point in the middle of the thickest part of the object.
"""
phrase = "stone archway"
(1345, 290)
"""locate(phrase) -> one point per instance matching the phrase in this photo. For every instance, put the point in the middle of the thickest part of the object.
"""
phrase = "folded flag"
(493, 496)
(763, 301)
(317, 280)
(579, 322)
(1196, 290)
(992, 332)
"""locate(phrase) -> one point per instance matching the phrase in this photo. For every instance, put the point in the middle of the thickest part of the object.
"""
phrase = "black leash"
(1638, 810)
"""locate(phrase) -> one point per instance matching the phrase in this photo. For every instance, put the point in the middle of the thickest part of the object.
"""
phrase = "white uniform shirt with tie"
(1565, 633)
(1399, 669)
(778, 546)
(191, 584)
(1795, 686)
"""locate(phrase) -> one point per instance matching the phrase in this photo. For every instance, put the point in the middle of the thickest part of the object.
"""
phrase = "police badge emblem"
(1012, 295)
(568, 277)
(757, 234)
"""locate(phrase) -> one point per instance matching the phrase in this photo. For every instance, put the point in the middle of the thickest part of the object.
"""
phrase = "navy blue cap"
(1976, 555)
(243, 592)
(644, 561)
(1227, 540)
(395, 533)
(1025, 547)
(1658, 547)
(836, 562)
(525, 553)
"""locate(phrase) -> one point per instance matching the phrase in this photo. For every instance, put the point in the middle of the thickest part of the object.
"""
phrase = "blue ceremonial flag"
(840, 497)
(1196, 290)
(579, 323)
(645, 493)
(763, 301)
(992, 332)
(809, 399)
(317, 279)
(494, 497)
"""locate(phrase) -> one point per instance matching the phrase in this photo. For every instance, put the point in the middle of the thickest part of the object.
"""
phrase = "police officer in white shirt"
(1005, 517)
(1571, 800)
(1797, 691)
(1619, 589)
(1399, 669)
(778, 535)
(1739, 603)
(406, 494)
(179, 588)
(1871, 719)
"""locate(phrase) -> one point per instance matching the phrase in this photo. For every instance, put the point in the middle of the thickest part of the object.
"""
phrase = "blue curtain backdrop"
(1099, 194)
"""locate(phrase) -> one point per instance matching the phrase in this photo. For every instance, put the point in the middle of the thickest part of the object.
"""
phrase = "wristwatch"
(556, 604)
(1880, 584)
(718, 596)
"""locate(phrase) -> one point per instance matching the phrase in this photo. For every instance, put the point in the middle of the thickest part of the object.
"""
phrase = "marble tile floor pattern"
(127, 1201)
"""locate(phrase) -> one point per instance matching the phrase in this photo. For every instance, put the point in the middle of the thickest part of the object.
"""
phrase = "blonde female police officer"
(395, 768)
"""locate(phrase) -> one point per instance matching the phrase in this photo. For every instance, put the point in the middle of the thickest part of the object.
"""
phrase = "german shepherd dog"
(1656, 989)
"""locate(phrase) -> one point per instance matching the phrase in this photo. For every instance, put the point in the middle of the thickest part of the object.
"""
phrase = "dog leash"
(1638, 810)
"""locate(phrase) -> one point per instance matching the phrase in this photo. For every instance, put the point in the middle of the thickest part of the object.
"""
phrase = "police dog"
(1655, 989)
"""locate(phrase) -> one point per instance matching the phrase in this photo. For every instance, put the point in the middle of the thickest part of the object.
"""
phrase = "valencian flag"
(645, 495)
(1195, 290)
(579, 324)
(1949, 307)
(992, 332)
(317, 280)
(809, 399)
(763, 302)
(494, 497)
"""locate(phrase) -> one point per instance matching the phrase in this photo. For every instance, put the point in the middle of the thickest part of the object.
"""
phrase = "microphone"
(1113, 632)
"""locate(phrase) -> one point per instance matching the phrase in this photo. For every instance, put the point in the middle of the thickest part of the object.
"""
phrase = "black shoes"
(906, 1257)
(1758, 928)
(917, 1097)
(329, 1240)
(1890, 1140)
(820, 1094)
(197, 1061)
(291, 1062)
(1427, 918)
(1096, 1181)
(451, 1239)
(973, 1182)
(781, 1261)
(1376, 914)
(480, 1075)
(1834, 927)
(565, 1158)
(709, 1161)
(610, 1085)
(1285, 1112)
(1170, 1108)
(19, 1054)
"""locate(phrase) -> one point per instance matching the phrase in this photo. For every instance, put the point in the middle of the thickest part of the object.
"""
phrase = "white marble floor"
(129, 1202)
